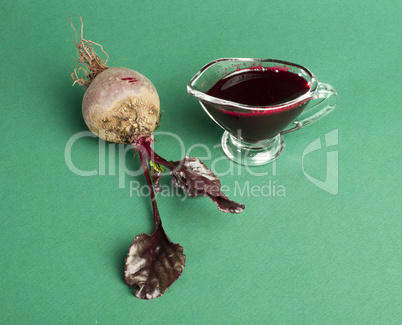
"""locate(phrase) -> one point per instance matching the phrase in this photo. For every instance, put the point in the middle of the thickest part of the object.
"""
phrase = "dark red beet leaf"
(191, 175)
(153, 263)
(196, 179)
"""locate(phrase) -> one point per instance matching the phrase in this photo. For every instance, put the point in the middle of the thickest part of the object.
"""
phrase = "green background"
(309, 257)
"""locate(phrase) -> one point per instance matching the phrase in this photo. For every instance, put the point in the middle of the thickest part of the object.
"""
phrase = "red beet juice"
(262, 89)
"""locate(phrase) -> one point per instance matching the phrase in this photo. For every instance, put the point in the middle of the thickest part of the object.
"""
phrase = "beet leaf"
(153, 261)
(196, 179)
(191, 175)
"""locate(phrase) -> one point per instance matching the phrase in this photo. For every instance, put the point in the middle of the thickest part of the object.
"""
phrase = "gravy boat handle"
(322, 103)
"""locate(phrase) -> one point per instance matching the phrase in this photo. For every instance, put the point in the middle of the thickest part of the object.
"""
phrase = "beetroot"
(119, 104)
(122, 106)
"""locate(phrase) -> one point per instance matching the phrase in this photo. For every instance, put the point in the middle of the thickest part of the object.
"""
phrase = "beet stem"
(143, 145)
(157, 219)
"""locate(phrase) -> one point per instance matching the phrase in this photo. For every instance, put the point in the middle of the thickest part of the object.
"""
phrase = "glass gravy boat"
(254, 133)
